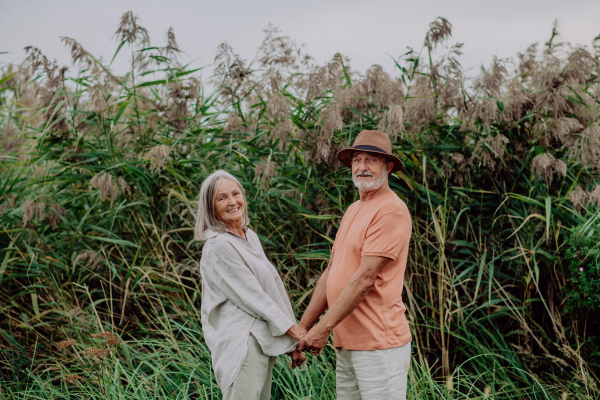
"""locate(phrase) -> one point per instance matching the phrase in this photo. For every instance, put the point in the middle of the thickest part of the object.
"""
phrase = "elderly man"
(362, 285)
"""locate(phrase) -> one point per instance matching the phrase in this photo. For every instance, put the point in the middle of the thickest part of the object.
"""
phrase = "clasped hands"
(311, 340)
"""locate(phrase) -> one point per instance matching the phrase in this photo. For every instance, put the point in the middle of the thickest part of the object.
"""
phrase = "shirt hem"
(381, 346)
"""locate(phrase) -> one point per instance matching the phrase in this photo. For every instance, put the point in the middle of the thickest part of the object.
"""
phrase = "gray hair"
(206, 217)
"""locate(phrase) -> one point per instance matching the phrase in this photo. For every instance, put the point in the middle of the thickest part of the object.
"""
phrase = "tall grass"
(99, 174)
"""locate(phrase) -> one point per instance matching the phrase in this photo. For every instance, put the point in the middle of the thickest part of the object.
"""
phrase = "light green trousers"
(254, 380)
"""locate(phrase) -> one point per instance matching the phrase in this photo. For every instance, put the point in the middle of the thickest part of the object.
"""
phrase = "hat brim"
(345, 157)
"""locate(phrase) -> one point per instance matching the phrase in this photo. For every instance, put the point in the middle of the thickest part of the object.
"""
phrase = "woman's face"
(229, 203)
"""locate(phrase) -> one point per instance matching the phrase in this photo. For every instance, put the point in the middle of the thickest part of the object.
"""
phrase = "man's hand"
(298, 357)
(315, 340)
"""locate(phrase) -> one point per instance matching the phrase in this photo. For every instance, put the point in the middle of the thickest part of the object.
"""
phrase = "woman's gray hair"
(206, 217)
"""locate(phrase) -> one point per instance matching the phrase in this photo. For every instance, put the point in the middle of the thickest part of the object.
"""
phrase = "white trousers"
(372, 374)
(254, 380)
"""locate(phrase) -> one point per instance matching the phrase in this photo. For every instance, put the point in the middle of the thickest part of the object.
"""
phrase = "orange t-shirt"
(380, 226)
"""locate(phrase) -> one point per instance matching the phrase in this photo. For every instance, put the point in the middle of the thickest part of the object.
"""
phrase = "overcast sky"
(368, 32)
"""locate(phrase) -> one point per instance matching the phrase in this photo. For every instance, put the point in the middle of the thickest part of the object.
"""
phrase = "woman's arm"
(242, 288)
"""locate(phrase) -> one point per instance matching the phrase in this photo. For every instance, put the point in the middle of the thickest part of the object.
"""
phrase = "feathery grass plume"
(556, 131)
(280, 51)
(392, 122)
(47, 90)
(439, 31)
(124, 186)
(455, 165)
(64, 344)
(96, 355)
(78, 54)
(98, 103)
(234, 123)
(350, 98)
(5, 203)
(382, 89)
(281, 131)
(594, 196)
(72, 379)
(82, 319)
(10, 140)
(158, 156)
(107, 189)
(231, 74)
(321, 79)
(130, 31)
(490, 80)
(419, 109)
(56, 211)
(586, 147)
(93, 259)
(580, 65)
(172, 49)
(33, 209)
(490, 152)
(527, 62)
(264, 172)
(578, 196)
(278, 106)
(449, 84)
(544, 165)
(177, 108)
(111, 339)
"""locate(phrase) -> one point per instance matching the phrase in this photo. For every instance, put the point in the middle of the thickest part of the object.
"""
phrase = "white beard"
(373, 185)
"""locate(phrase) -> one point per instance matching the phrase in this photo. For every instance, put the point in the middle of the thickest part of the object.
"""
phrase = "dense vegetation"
(99, 283)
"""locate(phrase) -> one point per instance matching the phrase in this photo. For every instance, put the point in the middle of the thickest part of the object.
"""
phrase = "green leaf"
(7, 77)
(548, 215)
(348, 81)
(326, 217)
(34, 302)
(5, 262)
(115, 241)
(480, 273)
(117, 52)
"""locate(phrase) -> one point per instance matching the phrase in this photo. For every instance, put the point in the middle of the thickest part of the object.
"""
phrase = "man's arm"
(352, 295)
(318, 301)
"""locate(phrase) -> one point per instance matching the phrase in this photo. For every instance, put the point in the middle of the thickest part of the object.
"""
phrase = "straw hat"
(372, 142)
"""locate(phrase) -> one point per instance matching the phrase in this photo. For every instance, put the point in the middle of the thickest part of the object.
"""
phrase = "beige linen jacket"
(242, 293)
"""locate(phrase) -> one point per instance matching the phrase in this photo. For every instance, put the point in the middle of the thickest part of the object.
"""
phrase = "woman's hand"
(296, 332)
(298, 357)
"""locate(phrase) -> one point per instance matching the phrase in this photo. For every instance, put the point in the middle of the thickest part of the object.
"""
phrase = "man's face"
(369, 171)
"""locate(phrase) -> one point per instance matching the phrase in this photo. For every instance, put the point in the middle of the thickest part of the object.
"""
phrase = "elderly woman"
(247, 317)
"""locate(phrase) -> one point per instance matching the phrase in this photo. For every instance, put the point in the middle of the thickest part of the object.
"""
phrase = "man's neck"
(366, 195)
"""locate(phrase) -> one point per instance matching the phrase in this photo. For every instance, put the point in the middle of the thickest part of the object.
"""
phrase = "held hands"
(315, 340)
(298, 357)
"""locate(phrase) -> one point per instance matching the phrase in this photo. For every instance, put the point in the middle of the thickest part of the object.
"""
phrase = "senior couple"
(247, 317)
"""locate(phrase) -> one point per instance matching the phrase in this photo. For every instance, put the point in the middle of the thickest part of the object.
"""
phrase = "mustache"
(364, 173)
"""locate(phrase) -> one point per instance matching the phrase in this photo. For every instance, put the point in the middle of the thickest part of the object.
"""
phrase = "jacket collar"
(209, 233)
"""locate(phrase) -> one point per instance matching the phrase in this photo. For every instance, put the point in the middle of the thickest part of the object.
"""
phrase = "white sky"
(368, 32)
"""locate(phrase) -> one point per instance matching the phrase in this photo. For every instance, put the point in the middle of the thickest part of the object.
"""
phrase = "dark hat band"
(365, 147)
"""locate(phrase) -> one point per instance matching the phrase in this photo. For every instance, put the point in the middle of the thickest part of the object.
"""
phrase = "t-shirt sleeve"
(386, 235)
